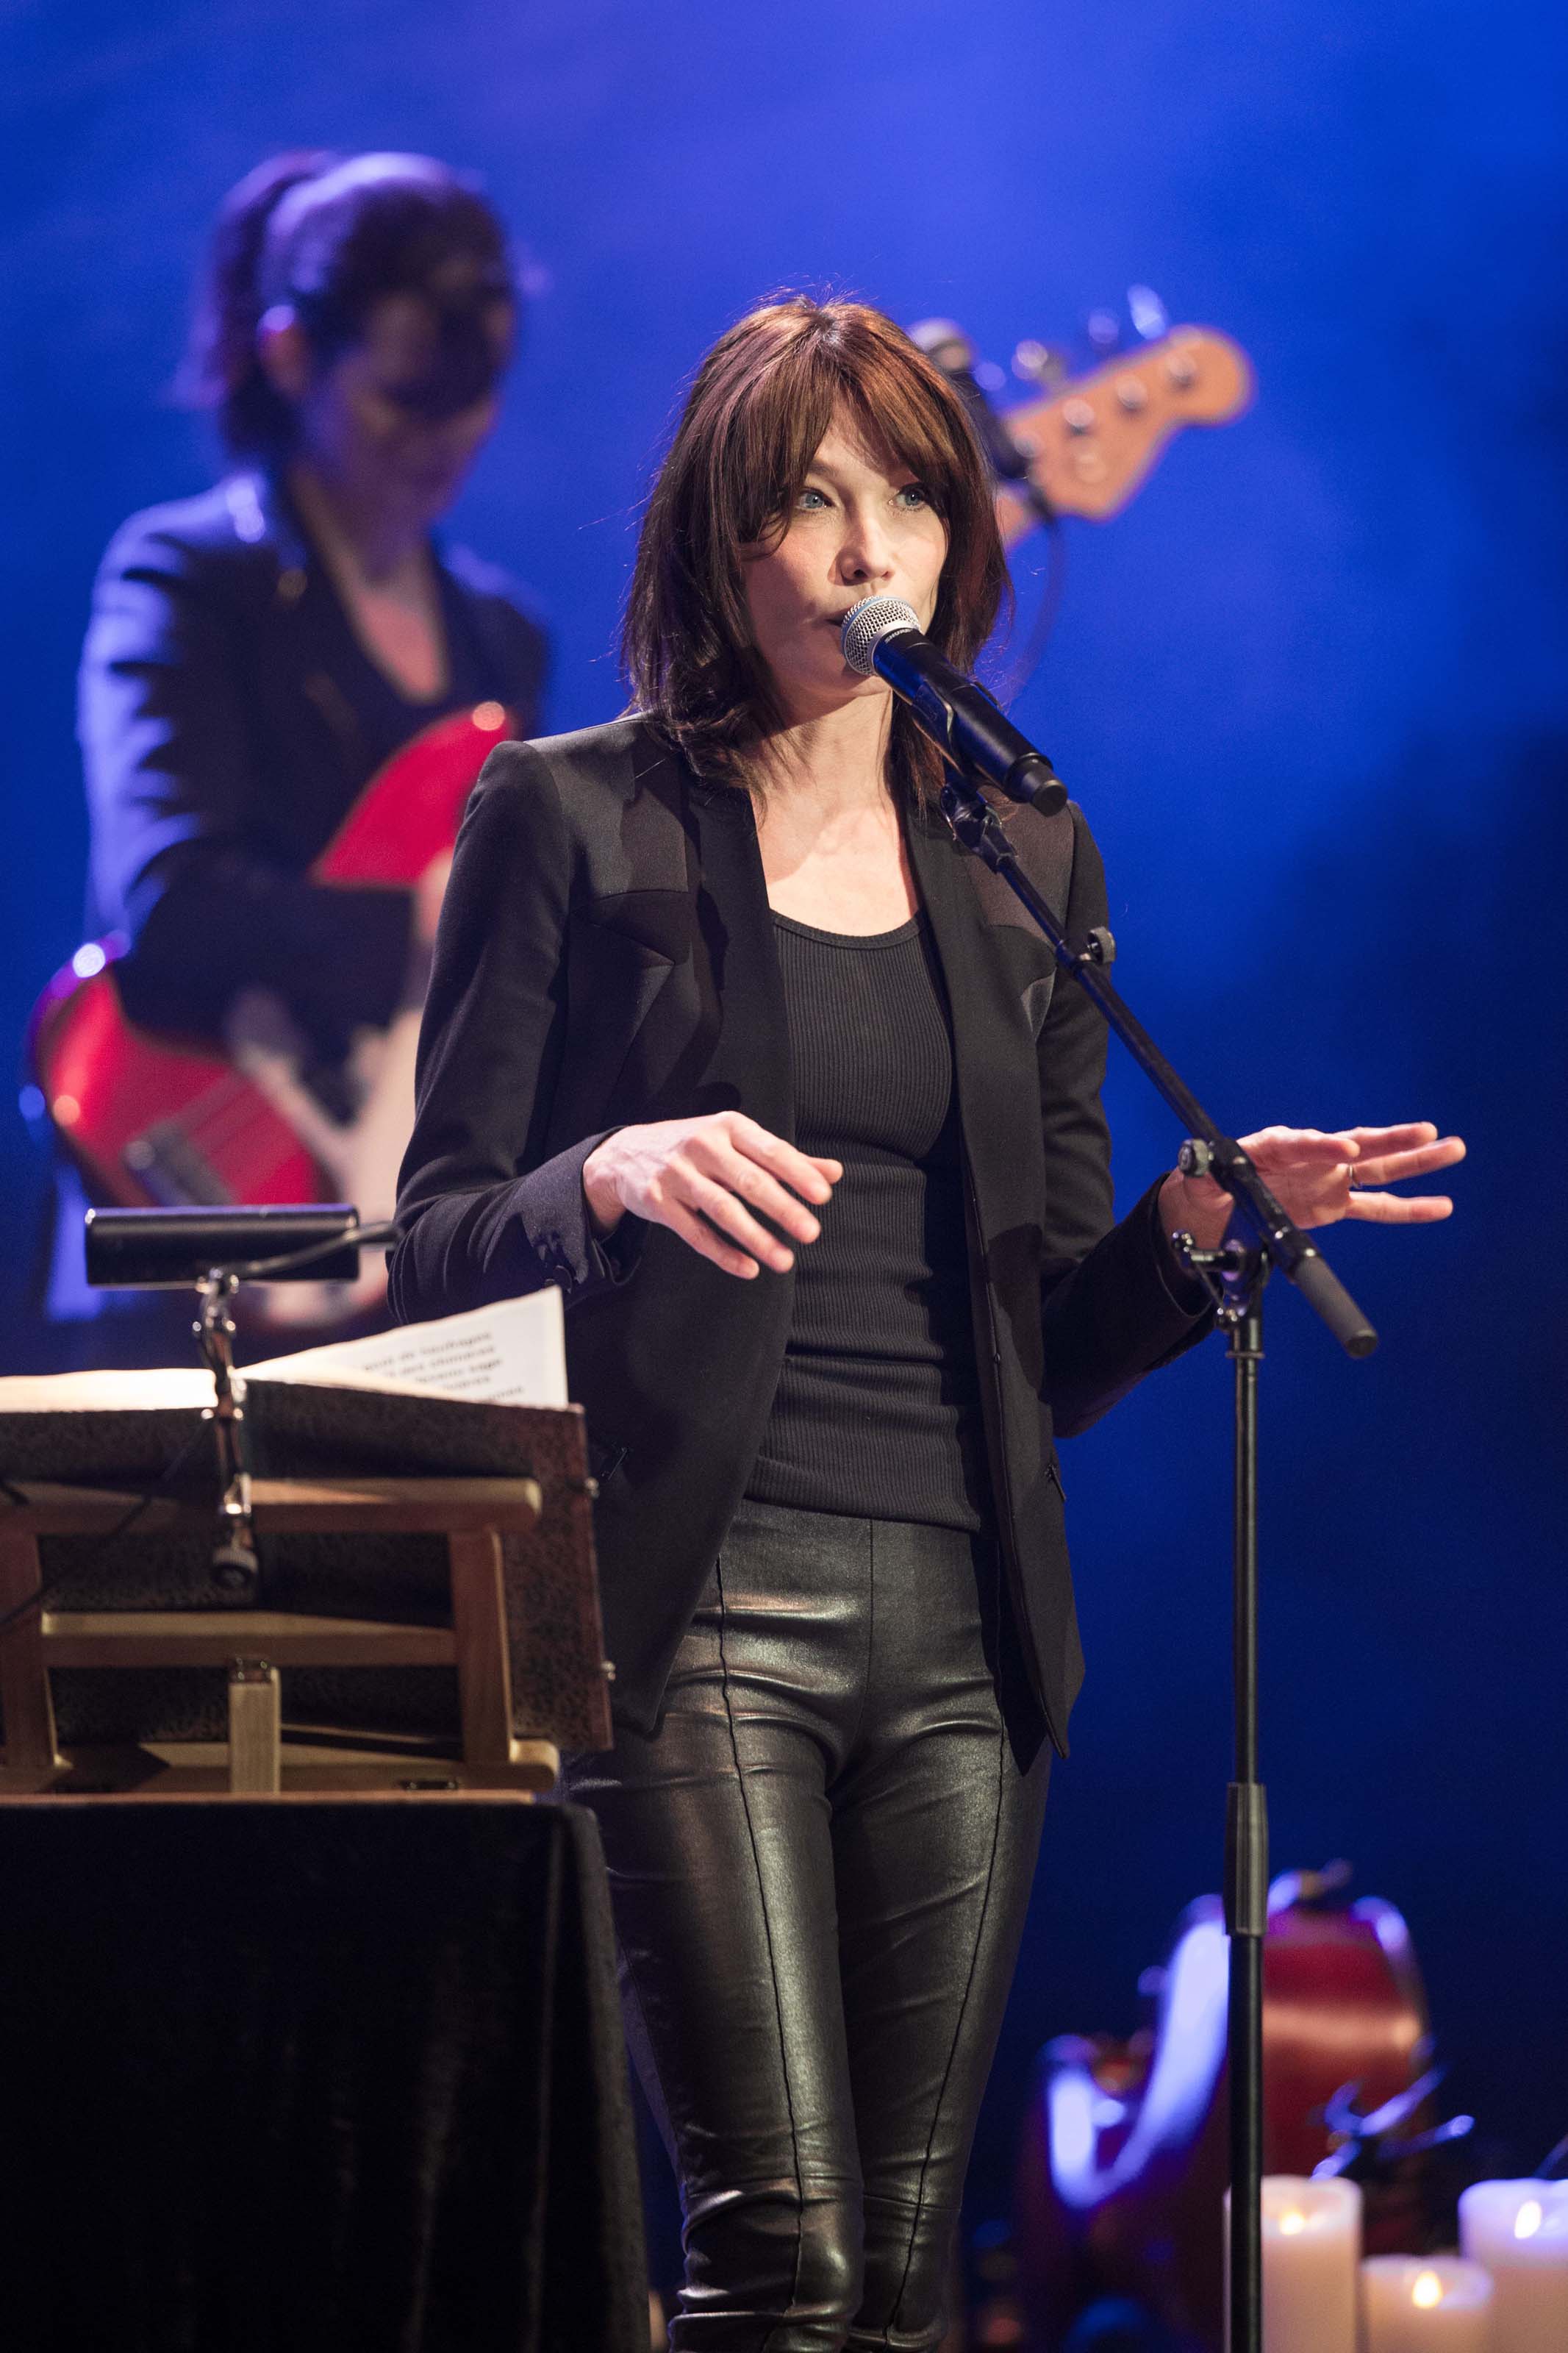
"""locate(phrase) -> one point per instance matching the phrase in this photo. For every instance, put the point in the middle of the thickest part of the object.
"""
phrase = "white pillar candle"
(1425, 2304)
(1312, 2244)
(1518, 2230)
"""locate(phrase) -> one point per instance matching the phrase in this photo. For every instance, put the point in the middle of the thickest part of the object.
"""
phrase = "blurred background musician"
(256, 654)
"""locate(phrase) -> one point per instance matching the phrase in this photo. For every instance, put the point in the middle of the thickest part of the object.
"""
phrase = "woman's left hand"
(1318, 1178)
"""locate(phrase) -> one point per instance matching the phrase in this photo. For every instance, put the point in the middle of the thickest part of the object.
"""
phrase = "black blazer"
(229, 720)
(607, 957)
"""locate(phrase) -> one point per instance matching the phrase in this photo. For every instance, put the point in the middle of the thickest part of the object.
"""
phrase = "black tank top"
(877, 1411)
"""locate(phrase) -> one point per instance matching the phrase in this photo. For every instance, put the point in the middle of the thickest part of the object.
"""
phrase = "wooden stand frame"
(255, 1644)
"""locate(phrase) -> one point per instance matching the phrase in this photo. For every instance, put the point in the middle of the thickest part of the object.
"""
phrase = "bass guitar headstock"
(1091, 443)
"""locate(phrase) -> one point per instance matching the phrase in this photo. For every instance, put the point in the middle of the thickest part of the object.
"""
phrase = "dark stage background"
(1309, 688)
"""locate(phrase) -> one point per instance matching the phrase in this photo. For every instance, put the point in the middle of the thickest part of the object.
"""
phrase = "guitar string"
(224, 1123)
(214, 1100)
(247, 1106)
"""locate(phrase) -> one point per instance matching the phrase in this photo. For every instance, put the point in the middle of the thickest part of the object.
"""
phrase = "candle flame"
(1529, 2218)
(1290, 2223)
(1427, 2290)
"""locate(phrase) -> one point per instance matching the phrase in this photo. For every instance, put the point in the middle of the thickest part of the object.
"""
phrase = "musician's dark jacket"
(607, 957)
(229, 719)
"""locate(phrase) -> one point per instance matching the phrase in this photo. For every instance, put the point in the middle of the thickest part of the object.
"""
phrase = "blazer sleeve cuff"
(553, 1212)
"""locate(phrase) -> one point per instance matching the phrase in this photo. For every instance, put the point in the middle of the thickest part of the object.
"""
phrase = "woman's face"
(862, 526)
(356, 427)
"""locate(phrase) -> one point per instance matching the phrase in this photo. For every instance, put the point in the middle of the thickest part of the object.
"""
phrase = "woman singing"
(727, 1038)
(256, 653)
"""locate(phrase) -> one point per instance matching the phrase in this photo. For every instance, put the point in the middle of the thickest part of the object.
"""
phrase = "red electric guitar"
(155, 1120)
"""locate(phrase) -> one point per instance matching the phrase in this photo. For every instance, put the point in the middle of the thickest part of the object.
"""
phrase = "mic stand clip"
(236, 1567)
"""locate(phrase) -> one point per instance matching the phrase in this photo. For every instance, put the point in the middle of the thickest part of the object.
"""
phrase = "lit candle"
(1311, 2240)
(1425, 2304)
(1518, 2230)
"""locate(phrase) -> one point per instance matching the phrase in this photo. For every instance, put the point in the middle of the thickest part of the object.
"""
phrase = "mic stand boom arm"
(1234, 1275)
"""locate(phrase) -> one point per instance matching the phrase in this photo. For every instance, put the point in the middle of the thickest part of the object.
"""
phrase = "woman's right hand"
(703, 1179)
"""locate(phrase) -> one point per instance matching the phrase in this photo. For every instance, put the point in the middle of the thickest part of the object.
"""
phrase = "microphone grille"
(869, 622)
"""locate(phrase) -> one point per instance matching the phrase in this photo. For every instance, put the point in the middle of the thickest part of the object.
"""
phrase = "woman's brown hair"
(763, 399)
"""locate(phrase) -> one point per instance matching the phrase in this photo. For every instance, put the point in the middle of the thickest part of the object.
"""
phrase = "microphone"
(883, 634)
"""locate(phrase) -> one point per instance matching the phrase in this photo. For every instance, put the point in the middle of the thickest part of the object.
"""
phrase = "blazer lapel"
(748, 1067)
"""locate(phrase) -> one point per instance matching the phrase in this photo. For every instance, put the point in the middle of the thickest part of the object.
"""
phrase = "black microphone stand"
(1263, 1237)
(216, 1250)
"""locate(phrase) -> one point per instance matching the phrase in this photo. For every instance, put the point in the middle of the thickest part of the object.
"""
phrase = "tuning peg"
(1104, 329)
(1040, 364)
(1149, 315)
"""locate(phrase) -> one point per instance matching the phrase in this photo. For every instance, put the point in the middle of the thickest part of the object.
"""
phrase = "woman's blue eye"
(912, 495)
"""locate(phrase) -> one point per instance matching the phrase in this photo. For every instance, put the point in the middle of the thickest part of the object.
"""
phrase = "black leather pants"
(820, 1870)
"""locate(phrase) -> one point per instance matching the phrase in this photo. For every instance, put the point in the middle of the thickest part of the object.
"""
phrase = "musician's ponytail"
(323, 238)
(222, 371)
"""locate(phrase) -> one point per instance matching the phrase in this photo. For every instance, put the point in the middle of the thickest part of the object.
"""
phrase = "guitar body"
(154, 1121)
(1126, 2155)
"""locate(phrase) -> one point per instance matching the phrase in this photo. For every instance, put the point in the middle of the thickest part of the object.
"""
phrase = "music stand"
(368, 1479)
